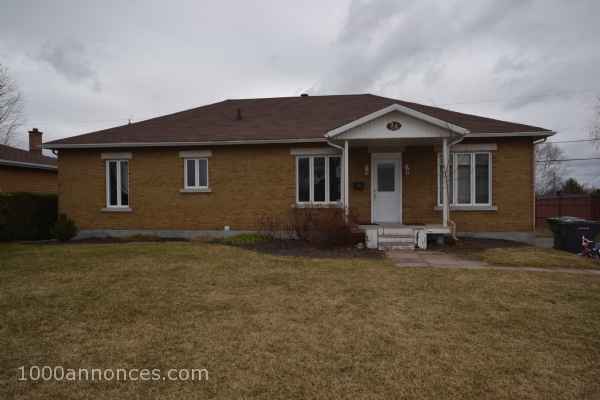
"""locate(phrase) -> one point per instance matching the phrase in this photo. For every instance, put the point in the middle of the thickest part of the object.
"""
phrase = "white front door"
(387, 188)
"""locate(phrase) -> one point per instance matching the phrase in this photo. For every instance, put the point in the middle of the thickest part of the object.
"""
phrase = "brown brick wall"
(249, 181)
(15, 179)
(360, 200)
(512, 189)
(246, 181)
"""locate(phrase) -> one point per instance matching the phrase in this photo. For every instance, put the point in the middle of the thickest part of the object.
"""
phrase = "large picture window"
(469, 181)
(319, 179)
(117, 183)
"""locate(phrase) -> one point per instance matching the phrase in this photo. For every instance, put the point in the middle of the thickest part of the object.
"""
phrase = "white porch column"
(346, 178)
(446, 173)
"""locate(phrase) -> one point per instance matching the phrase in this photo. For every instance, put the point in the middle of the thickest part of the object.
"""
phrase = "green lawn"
(282, 327)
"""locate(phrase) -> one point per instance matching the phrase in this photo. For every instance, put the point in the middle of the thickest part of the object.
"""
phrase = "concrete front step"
(396, 231)
(396, 238)
(396, 246)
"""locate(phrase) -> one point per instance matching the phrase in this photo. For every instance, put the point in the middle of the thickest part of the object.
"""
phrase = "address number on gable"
(394, 125)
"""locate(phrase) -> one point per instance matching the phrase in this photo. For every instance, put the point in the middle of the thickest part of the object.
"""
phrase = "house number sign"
(394, 125)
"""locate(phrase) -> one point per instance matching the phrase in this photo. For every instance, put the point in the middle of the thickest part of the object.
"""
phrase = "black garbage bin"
(568, 231)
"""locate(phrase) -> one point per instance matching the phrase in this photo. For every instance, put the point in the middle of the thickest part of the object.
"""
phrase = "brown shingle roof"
(277, 118)
(22, 158)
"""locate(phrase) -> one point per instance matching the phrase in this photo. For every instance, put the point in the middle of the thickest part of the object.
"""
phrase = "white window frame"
(312, 180)
(197, 173)
(119, 204)
(453, 164)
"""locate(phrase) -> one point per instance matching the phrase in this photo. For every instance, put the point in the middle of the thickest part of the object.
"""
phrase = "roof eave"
(21, 164)
(58, 146)
(511, 134)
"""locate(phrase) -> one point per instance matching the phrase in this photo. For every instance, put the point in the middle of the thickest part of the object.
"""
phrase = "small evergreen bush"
(27, 216)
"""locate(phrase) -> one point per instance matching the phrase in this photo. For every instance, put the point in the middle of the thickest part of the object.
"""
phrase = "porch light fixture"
(366, 169)
(406, 170)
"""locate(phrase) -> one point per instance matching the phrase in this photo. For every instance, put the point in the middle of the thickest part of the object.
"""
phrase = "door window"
(386, 177)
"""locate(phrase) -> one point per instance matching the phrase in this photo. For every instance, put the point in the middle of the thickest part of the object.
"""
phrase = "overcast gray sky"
(83, 66)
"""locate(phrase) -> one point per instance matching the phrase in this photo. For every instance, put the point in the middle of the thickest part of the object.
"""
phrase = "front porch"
(395, 175)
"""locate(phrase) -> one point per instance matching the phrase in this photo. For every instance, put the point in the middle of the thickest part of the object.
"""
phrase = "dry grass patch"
(537, 257)
(508, 253)
(274, 327)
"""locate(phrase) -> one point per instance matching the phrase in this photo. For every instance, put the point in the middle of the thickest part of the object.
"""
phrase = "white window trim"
(119, 205)
(454, 201)
(312, 180)
(195, 154)
(196, 187)
(116, 156)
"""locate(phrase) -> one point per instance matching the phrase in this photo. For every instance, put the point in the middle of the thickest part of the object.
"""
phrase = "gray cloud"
(530, 61)
(68, 59)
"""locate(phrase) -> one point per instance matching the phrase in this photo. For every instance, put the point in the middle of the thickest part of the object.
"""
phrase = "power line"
(568, 159)
(574, 141)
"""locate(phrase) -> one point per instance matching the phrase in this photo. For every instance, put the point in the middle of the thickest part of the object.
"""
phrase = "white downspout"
(340, 148)
(346, 178)
(446, 176)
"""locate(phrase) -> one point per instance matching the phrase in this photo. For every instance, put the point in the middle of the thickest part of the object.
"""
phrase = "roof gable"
(408, 114)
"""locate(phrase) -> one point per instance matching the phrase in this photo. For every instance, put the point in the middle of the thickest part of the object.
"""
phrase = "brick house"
(27, 171)
(405, 170)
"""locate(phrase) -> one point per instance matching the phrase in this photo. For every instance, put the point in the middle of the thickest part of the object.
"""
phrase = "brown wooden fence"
(572, 205)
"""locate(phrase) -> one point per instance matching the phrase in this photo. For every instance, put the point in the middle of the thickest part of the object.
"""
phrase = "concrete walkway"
(438, 259)
(544, 242)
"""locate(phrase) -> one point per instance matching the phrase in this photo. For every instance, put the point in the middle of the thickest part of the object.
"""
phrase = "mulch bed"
(470, 244)
(299, 248)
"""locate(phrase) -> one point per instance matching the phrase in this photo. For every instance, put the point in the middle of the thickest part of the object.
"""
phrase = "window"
(196, 173)
(463, 178)
(470, 179)
(319, 179)
(386, 177)
(117, 183)
(335, 178)
(482, 178)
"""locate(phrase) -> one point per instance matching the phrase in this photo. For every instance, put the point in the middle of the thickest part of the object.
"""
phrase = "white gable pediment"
(412, 125)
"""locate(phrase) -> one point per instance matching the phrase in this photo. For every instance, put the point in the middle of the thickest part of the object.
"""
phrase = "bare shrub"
(326, 226)
(274, 226)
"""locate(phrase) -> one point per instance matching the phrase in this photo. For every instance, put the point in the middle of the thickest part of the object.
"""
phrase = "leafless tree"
(595, 128)
(11, 107)
(549, 174)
